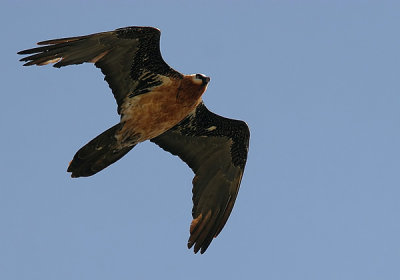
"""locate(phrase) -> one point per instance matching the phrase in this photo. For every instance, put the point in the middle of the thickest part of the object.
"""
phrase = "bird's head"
(193, 86)
(200, 79)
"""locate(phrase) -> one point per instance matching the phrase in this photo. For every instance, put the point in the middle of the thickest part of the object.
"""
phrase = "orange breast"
(148, 115)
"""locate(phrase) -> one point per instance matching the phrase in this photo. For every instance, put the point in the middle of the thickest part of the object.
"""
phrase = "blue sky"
(316, 81)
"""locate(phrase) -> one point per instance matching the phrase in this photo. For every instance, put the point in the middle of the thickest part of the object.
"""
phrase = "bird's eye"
(199, 76)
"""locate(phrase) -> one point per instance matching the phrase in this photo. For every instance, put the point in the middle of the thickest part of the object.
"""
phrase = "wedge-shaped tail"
(98, 154)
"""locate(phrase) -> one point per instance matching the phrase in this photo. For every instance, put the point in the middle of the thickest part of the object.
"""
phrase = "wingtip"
(197, 247)
(190, 244)
(29, 63)
(197, 227)
(27, 51)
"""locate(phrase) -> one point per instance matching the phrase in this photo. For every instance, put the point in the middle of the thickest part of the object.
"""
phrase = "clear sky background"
(316, 81)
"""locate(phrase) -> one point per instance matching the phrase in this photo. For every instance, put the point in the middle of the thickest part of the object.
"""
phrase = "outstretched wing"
(215, 148)
(130, 58)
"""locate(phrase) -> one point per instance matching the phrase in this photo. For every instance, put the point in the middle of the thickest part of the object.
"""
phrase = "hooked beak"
(206, 80)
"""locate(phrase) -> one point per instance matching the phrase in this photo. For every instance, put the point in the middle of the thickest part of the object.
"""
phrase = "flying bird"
(159, 104)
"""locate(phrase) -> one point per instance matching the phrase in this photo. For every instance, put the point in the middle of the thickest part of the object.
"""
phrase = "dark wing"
(130, 58)
(215, 148)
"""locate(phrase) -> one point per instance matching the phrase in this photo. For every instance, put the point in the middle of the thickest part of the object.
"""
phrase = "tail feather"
(98, 154)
